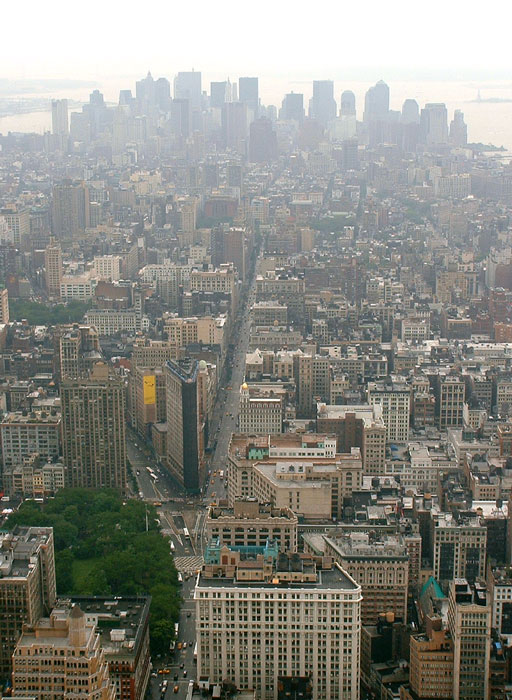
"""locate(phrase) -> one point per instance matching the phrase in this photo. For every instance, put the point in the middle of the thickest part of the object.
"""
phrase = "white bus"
(185, 532)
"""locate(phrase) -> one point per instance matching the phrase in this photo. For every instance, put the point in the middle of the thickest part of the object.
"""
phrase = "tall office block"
(434, 124)
(262, 142)
(53, 268)
(410, 112)
(452, 395)
(61, 657)
(79, 350)
(234, 126)
(187, 86)
(469, 622)
(348, 104)
(248, 94)
(27, 585)
(4, 306)
(376, 103)
(185, 427)
(17, 218)
(220, 93)
(459, 549)
(292, 107)
(60, 122)
(93, 430)
(323, 105)
(395, 400)
(70, 209)
(276, 621)
(458, 129)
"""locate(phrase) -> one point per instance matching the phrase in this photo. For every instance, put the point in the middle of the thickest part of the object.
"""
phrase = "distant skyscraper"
(60, 123)
(69, 209)
(53, 268)
(292, 107)
(458, 129)
(187, 86)
(248, 94)
(220, 93)
(434, 123)
(181, 117)
(262, 141)
(376, 103)
(163, 93)
(323, 105)
(410, 112)
(348, 104)
(234, 126)
(93, 430)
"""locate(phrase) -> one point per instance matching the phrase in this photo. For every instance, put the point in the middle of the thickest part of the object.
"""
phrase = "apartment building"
(27, 432)
(261, 621)
(260, 413)
(108, 267)
(459, 548)
(395, 399)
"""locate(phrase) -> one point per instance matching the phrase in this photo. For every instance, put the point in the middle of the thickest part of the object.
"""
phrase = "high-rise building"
(45, 663)
(431, 663)
(146, 399)
(24, 434)
(376, 103)
(458, 129)
(323, 105)
(434, 124)
(70, 209)
(60, 123)
(410, 112)
(93, 430)
(350, 154)
(348, 104)
(185, 424)
(248, 94)
(266, 622)
(79, 350)
(394, 398)
(4, 306)
(292, 107)
(17, 218)
(187, 86)
(181, 117)
(27, 585)
(469, 622)
(260, 414)
(220, 93)
(234, 126)
(53, 268)
(262, 141)
(452, 394)
(459, 549)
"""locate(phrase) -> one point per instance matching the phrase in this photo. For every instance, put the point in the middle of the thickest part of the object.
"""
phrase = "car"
(185, 673)
(175, 676)
(160, 671)
(182, 665)
(189, 614)
(184, 645)
(166, 671)
(180, 644)
(176, 689)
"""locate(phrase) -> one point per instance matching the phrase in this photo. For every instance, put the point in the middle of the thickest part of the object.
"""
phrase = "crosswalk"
(188, 564)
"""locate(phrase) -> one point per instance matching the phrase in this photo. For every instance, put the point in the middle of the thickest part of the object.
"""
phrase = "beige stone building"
(60, 656)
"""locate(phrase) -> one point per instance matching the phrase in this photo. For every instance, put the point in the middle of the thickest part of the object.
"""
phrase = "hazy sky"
(297, 38)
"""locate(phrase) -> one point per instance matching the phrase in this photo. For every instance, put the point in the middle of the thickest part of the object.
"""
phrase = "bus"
(173, 547)
(176, 630)
(185, 532)
(221, 474)
(195, 653)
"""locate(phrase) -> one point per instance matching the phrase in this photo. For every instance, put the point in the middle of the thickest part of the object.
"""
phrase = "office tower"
(234, 126)
(27, 585)
(181, 117)
(220, 93)
(376, 103)
(185, 425)
(235, 176)
(53, 268)
(163, 93)
(292, 107)
(187, 86)
(79, 350)
(431, 663)
(147, 400)
(45, 661)
(278, 619)
(350, 154)
(458, 129)
(17, 218)
(93, 430)
(394, 399)
(348, 104)
(459, 548)
(4, 306)
(322, 106)
(262, 141)
(434, 124)
(313, 382)
(410, 112)
(380, 564)
(70, 207)
(248, 94)
(452, 395)
(60, 124)
(469, 622)
(259, 412)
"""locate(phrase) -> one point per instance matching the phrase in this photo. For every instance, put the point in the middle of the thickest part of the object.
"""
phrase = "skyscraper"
(348, 103)
(187, 86)
(376, 103)
(70, 207)
(458, 129)
(93, 430)
(53, 268)
(60, 123)
(234, 126)
(262, 141)
(434, 123)
(410, 112)
(27, 585)
(220, 93)
(323, 105)
(292, 107)
(248, 94)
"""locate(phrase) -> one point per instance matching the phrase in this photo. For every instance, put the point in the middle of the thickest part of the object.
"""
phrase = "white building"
(395, 400)
(108, 267)
(260, 414)
(78, 287)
